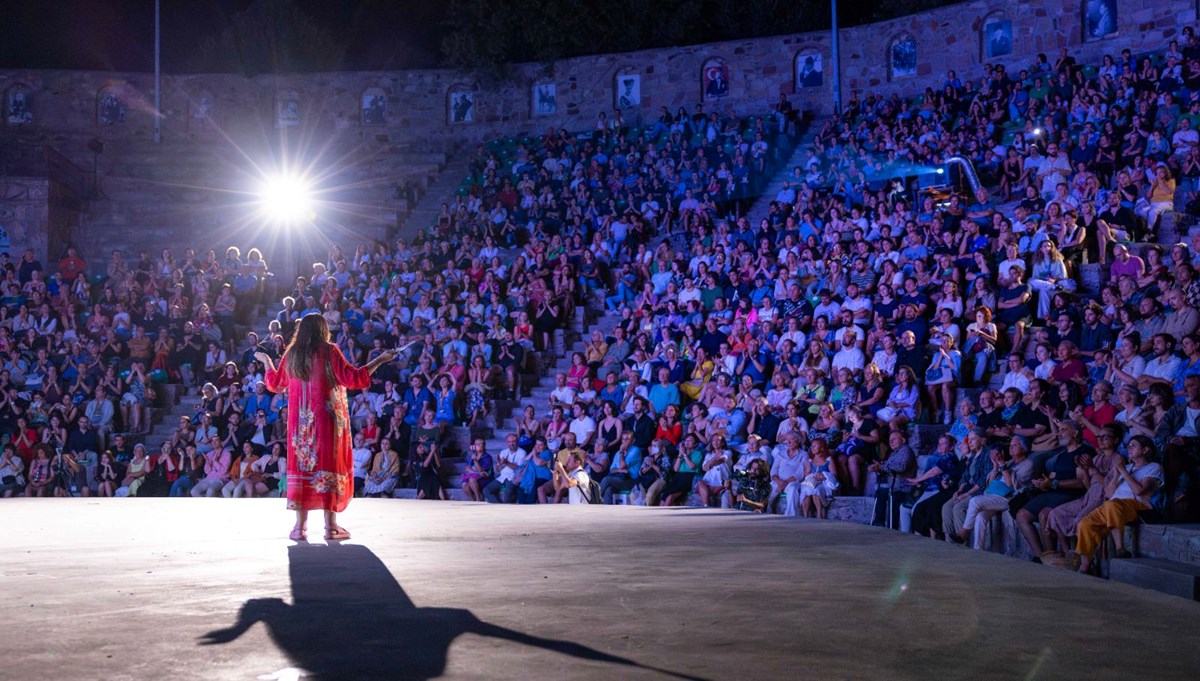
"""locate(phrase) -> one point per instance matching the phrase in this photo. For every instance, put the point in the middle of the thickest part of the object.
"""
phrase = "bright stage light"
(286, 198)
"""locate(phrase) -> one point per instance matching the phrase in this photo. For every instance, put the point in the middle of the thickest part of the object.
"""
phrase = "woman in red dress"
(316, 376)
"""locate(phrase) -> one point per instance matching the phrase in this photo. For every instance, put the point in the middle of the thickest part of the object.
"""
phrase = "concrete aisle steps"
(1168, 560)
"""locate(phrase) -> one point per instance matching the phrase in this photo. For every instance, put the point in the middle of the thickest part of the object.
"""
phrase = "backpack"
(592, 493)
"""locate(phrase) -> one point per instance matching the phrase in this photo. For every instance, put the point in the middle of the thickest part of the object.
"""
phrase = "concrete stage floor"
(212, 589)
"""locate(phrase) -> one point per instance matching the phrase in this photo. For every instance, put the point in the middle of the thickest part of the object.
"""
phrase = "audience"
(769, 367)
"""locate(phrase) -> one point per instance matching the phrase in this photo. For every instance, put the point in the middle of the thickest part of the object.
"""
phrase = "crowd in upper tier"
(774, 366)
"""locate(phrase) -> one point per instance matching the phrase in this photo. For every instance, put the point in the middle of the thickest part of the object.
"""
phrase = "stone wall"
(418, 103)
(25, 215)
(413, 109)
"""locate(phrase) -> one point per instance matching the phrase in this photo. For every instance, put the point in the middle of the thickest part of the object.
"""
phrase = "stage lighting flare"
(286, 198)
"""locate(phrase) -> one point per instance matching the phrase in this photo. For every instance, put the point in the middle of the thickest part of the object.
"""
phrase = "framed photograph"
(110, 109)
(544, 99)
(628, 91)
(202, 106)
(461, 107)
(374, 107)
(16, 107)
(904, 57)
(808, 70)
(287, 110)
(715, 80)
(1099, 19)
(997, 38)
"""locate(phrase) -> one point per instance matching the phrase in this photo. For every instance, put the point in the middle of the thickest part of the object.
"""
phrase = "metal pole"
(157, 74)
(837, 62)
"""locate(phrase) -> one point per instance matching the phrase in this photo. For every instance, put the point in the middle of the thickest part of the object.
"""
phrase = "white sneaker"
(947, 420)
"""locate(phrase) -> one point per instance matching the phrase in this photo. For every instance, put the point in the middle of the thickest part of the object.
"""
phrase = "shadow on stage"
(350, 619)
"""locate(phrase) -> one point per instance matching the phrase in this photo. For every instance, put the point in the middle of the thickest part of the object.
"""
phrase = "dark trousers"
(883, 497)
(927, 515)
(1181, 468)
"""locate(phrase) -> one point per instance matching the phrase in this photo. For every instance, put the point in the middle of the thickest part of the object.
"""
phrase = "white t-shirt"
(1188, 429)
(851, 358)
(362, 461)
(564, 395)
(1165, 370)
(517, 456)
(583, 428)
(1140, 474)
(582, 482)
(885, 362)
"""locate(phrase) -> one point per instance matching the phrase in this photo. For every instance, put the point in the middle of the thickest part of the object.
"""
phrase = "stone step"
(1176, 543)
(452, 494)
(1169, 577)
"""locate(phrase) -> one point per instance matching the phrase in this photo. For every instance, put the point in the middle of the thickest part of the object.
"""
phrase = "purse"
(933, 374)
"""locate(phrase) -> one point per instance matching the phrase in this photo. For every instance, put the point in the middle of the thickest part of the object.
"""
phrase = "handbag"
(979, 345)
(934, 374)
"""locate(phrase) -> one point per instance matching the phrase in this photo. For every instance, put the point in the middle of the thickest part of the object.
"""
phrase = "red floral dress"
(319, 464)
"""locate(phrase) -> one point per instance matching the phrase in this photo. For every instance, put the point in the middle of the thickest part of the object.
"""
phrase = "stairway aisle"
(502, 419)
(441, 190)
(759, 210)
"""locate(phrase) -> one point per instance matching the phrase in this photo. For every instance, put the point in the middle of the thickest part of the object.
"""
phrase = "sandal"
(298, 535)
(336, 533)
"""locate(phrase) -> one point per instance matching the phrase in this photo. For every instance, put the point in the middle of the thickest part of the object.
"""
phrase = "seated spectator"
(135, 473)
(384, 474)
(1060, 477)
(787, 473)
(1128, 492)
(820, 481)
(478, 472)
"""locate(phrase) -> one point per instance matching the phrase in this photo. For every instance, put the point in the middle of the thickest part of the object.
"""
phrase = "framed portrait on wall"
(461, 106)
(808, 70)
(715, 80)
(110, 107)
(1099, 18)
(544, 99)
(903, 57)
(373, 106)
(287, 109)
(997, 38)
(16, 106)
(628, 91)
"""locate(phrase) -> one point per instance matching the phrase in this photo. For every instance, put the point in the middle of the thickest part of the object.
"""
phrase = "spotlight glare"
(286, 198)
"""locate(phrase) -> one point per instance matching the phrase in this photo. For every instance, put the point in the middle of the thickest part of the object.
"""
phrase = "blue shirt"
(663, 395)
(445, 407)
(416, 404)
(632, 460)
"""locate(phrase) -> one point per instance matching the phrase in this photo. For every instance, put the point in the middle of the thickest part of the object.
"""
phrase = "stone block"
(1160, 575)
(1176, 543)
(858, 510)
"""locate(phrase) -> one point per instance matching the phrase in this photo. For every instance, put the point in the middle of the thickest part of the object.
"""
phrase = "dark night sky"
(118, 34)
(378, 34)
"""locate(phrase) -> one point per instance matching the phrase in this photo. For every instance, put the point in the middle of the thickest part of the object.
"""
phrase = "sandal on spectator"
(298, 535)
(1053, 559)
(336, 533)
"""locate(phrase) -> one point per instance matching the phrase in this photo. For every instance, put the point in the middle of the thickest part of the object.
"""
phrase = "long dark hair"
(312, 334)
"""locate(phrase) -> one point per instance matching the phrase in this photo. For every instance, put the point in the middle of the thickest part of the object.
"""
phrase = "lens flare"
(286, 198)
